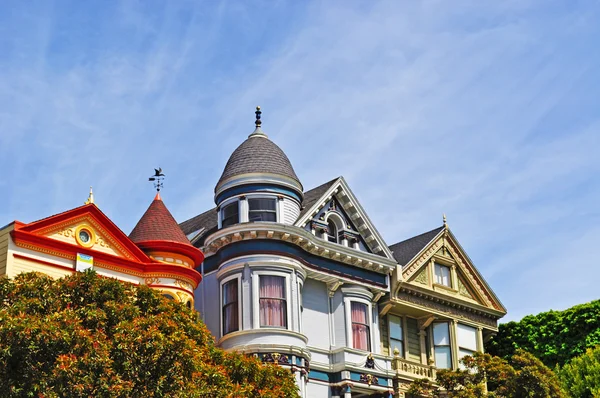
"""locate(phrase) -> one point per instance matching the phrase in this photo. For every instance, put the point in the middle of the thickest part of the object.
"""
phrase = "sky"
(487, 111)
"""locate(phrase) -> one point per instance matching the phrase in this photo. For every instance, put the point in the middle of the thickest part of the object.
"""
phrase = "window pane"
(360, 337)
(395, 327)
(262, 216)
(440, 334)
(442, 357)
(230, 292)
(359, 312)
(230, 214)
(272, 286)
(396, 344)
(442, 275)
(467, 337)
(262, 204)
(332, 234)
(273, 306)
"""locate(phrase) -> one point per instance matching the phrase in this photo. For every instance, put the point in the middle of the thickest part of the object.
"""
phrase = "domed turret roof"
(157, 224)
(259, 155)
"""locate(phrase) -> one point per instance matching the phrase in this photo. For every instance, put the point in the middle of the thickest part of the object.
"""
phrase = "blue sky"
(484, 110)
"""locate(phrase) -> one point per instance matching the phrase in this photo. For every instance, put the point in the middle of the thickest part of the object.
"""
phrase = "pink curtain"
(360, 328)
(230, 307)
(273, 310)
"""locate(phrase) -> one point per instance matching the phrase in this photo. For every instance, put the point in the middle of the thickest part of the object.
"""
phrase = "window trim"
(348, 311)
(239, 301)
(256, 299)
(222, 207)
(272, 197)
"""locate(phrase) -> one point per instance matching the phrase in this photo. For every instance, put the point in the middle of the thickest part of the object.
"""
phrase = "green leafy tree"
(523, 376)
(554, 336)
(84, 336)
(581, 377)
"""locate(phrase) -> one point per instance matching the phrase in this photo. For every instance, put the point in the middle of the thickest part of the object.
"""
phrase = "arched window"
(189, 304)
(168, 296)
(332, 231)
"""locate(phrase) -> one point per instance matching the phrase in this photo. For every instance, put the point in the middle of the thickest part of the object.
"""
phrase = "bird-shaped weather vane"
(157, 179)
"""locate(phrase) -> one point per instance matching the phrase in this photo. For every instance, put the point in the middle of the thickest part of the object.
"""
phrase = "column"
(454, 343)
(480, 347)
(453, 278)
(422, 336)
(243, 209)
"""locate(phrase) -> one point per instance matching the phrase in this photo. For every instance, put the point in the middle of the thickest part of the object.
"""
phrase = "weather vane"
(157, 179)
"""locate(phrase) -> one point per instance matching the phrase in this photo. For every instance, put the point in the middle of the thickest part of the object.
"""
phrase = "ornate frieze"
(446, 307)
(370, 363)
(369, 379)
(423, 277)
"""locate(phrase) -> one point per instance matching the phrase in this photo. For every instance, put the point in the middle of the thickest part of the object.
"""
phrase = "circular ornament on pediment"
(85, 236)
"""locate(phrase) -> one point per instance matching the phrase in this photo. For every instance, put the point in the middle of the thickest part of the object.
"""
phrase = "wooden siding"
(4, 239)
(315, 316)
(291, 211)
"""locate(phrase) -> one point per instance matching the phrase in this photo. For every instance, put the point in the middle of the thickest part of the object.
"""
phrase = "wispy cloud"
(484, 111)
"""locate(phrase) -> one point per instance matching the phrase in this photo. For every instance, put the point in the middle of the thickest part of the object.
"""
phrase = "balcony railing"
(413, 369)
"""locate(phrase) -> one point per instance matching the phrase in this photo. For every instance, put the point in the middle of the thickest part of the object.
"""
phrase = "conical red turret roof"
(158, 230)
(157, 223)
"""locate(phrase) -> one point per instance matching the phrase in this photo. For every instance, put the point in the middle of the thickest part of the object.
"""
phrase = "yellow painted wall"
(4, 239)
(102, 243)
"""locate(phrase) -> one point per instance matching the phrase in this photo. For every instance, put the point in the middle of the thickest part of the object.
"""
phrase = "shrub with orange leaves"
(84, 336)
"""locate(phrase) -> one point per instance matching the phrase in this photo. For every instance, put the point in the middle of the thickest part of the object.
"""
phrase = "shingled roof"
(258, 154)
(203, 224)
(312, 196)
(407, 249)
(157, 224)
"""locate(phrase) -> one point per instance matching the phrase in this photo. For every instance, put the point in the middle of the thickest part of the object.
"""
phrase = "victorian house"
(303, 279)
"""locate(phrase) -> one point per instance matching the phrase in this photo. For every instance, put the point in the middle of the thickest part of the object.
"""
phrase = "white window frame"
(227, 203)
(256, 299)
(239, 285)
(277, 207)
(348, 311)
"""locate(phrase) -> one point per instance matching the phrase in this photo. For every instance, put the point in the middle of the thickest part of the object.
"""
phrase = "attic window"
(332, 231)
(442, 275)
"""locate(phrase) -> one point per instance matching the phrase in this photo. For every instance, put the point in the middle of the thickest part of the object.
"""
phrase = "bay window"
(442, 275)
(262, 209)
(467, 340)
(396, 334)
(272, 301)
(230, 303)
(441, 345)
(360, 326)
(230, 214)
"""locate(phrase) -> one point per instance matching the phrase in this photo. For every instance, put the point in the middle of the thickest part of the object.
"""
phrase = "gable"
(89, 228)
(349, 209)
(466, 283)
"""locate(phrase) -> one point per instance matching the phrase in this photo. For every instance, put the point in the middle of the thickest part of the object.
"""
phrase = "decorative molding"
(369, 379)
(423, 277)
(152, 281)
(445, 307)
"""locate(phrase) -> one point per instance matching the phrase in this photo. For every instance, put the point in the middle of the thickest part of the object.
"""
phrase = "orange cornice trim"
(176, 247)
(191, 293)
(92, 210)
(67, 250)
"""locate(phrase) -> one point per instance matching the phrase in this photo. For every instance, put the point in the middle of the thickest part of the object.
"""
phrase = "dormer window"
(332, 231)
(262, 209)
(230, 214)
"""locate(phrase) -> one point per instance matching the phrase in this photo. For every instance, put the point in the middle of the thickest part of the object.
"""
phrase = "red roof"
(157, 224)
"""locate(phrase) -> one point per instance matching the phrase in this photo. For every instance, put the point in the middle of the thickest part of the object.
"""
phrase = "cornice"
(301, 238)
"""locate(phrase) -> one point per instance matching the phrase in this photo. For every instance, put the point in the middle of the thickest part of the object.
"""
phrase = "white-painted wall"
(291, 211)
(317, 389)
(315, 316)
(210, 299)
(339, 319)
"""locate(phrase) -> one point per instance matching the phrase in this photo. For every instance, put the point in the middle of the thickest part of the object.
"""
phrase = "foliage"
(84, 336)
(581, 377)
(554, 336)
(523, 376)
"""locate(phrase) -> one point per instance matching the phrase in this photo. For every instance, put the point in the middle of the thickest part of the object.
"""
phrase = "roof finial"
(258, 113)
(157, 179)
(257, 131)
(90, 198)
(445, 221)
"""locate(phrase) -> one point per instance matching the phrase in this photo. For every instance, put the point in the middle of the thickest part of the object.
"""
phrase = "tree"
(523, 376)
(581, 377)
(553, 336)
(85, 335)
